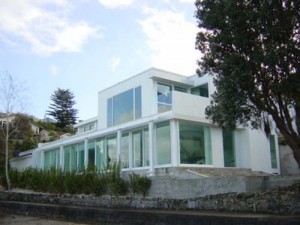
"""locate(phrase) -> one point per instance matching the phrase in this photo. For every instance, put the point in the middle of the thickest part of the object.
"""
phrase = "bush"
(139, 184)
(89, 181)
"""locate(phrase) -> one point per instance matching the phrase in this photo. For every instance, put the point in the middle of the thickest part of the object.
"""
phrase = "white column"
(119, 136)
(86, 152)
(61, 157)
(174, 143)
(130, 151)
(42, 159)
(151, 148)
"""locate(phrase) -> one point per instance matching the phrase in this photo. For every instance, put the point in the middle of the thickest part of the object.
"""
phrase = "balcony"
(189, 105)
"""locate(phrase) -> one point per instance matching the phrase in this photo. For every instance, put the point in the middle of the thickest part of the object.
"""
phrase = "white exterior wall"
(260, 153)
(21, 163)
(217, 147)
(242, 148)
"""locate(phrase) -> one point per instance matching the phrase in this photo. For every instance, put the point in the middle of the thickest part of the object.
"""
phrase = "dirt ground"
(26, 220)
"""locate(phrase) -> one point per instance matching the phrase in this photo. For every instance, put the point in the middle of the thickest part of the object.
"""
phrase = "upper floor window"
(164, 96)
(201, 90)
(124, 107)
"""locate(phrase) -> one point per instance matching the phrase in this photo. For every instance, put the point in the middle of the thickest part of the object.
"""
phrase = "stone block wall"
(280, 200)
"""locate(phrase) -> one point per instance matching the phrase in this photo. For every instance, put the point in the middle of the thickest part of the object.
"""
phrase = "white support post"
(151, 149)
(61, 157)
(42, 159)
(119, 136)
(86, 153)
(174, 143)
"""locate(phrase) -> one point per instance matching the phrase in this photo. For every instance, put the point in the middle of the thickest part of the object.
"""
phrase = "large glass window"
(51, 159)
(124, 107)
(111, 149)
(201, 90)
(140, 142)
(195, 143)
(91, 152)
(74, 157)
(229, 149)
(67, 158)
(163, 144)
(273, 151)
(124, 151)
(100, 154)
(164, 97)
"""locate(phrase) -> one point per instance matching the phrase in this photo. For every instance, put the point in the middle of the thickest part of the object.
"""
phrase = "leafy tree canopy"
(253, 50)
(62, 108)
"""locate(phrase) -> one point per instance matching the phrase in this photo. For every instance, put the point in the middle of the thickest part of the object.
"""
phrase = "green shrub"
(89, 181)
(139, 184)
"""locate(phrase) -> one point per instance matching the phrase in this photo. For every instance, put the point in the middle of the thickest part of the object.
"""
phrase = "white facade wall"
(22, 163)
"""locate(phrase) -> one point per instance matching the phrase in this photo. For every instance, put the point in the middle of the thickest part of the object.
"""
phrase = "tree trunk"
(8, 185)
(295, 146)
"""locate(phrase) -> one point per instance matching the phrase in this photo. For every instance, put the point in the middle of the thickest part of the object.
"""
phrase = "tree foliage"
(253, 50)
(62, 108)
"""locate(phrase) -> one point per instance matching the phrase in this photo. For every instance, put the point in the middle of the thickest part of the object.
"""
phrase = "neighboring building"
(153, 120)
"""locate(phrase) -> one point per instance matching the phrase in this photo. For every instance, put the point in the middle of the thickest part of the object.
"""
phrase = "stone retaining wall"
(278, 201)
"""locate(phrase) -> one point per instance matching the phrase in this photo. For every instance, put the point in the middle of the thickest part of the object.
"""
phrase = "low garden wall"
(281, 200)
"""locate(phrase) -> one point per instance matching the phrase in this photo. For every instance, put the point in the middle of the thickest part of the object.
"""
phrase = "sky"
(88, 45)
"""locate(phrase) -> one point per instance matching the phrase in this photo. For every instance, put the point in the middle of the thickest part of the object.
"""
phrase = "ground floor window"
(140, 147)
(163, 144)
(51, 159)
(124, 151)
(228, 148)
(91, 152)
(273, 151)
(195, 143)
(74, 157)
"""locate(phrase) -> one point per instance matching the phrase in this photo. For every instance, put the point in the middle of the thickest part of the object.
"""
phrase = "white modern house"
(156, 119)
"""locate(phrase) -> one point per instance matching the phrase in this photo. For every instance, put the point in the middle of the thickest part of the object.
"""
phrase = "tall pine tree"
(62, 108)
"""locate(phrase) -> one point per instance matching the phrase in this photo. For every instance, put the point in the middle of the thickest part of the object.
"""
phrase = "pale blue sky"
(89, 45)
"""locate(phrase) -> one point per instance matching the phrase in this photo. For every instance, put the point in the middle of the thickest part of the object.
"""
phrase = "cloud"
(53, 70)
(112, 4)
(114, 63)
(44, 25)
(171, 38)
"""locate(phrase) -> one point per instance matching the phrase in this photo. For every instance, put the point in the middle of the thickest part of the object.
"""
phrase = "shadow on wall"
(288, 162)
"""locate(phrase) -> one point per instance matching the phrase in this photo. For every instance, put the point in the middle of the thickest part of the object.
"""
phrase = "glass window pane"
(67, 159)
(138, 103)
(73, 153)
(146, 148)
(109, 112)
(195, 143)
(47, 162)
(111, 149)
(228, 147)
(100, 154)
(201, 90)
(273, 152)
(91, 152)
(81, 156)
(164, 94)
(124, 152)
(180, 89)
(163, 144)
(123, 107)
(137, 143)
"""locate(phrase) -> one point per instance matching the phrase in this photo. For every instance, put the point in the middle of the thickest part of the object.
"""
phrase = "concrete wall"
(22, 163)
(288, 162)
